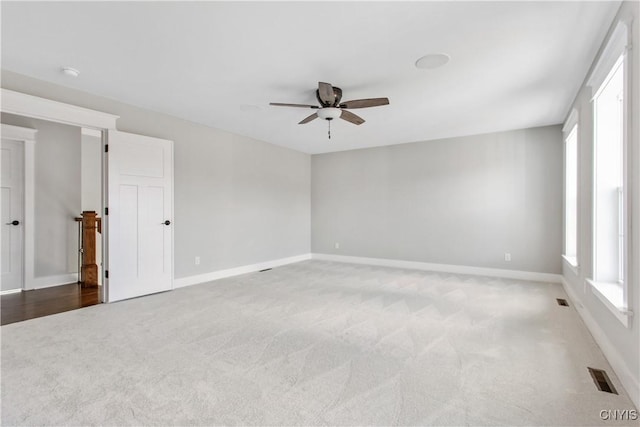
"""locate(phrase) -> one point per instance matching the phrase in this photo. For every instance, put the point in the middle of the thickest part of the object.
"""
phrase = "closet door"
(12, 186)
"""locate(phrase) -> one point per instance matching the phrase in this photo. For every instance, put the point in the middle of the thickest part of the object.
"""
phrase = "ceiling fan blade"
(280, 104)
(325, 91)
(364, 103)
(308, 119)
(352, 118)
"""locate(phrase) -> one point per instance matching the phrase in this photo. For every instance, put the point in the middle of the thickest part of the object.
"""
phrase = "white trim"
(570, 128)
(29, 212)
(221, 274)
(57, 280)
(445, 268)
(173, 220)
(27, 137)
(571, 260)
(46, 109)
(571, 121)
(618, 44)
(91, 132)
(600, 290)
(572, 263)
(104, 290)
(10, 291)
(18, 133)
(630, 382)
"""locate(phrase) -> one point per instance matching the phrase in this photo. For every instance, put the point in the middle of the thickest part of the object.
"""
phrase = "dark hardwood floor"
(43, 302)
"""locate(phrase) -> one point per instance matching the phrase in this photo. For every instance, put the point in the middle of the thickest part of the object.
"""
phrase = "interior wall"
(621, 344)
(91, 173)
(238, 201)
(462, 201)
(56, 199)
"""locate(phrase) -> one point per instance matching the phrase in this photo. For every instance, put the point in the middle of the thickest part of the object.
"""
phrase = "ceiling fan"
(331, 108)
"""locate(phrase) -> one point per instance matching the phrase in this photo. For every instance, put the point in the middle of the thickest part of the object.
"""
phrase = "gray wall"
(625, 341)
(462, 201)
(56, 196)
(238, 201)
(91, 173)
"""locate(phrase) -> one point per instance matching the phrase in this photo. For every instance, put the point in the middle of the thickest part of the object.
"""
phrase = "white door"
(12, 214)
(140, 218)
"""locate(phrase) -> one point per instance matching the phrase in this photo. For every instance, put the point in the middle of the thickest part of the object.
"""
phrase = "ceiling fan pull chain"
(329, 121)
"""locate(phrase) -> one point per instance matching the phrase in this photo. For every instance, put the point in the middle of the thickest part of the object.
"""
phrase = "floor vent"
(562, 302)
(602, 380)
(262, 271)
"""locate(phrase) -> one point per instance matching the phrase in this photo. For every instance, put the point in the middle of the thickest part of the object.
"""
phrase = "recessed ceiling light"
(71, 72)
(433, 60)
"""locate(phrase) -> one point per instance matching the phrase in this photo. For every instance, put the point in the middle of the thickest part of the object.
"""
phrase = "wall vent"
(602, 381)
(563, 302)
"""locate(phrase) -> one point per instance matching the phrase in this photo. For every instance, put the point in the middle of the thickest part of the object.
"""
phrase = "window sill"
(572, 262)
(611, 295)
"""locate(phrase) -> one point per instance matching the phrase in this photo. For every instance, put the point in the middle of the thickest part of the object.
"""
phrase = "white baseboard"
(221, 274)
(445, 268)
(630, 382)
(50, 281)
(11, 291)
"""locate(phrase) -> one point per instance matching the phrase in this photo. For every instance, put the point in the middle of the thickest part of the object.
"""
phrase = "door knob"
(14, 222)
(167, 222)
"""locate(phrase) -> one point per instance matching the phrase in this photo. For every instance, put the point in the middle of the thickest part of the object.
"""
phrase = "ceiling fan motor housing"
(337, 96)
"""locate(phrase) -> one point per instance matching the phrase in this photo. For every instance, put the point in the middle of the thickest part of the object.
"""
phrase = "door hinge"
(106, 148)
(106, 274)
(106, 211)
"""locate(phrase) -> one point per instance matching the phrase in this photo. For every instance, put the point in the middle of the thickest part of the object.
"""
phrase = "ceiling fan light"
(329, 113)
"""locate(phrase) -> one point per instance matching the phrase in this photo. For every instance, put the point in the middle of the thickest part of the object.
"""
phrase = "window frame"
(572, 126)
(613, 295)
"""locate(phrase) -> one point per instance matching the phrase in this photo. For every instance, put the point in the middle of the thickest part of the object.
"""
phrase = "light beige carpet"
(313, 343)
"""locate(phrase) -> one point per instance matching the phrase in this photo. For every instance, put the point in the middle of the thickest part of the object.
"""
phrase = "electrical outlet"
(197, 260)
(507, 256)
(337, 245)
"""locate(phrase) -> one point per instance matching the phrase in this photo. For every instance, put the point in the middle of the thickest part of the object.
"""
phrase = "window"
(571, 192)
(608, 195)
(610, 122)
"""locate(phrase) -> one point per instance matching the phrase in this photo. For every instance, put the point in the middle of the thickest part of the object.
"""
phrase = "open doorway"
(137, 241)
(66, 181)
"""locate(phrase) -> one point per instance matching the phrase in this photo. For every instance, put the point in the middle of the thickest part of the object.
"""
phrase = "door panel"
(140, 189)
(126, 253)
(154, 259)
(12, 189)
(7, 256)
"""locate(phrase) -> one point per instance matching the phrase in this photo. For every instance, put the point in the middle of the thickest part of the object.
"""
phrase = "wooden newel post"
(89, 272)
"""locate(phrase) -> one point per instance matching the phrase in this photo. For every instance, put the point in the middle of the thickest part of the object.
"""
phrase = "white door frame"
(27, 137)
(45, 109)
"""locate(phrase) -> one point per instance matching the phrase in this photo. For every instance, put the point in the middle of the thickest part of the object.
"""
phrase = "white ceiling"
(513, 64)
